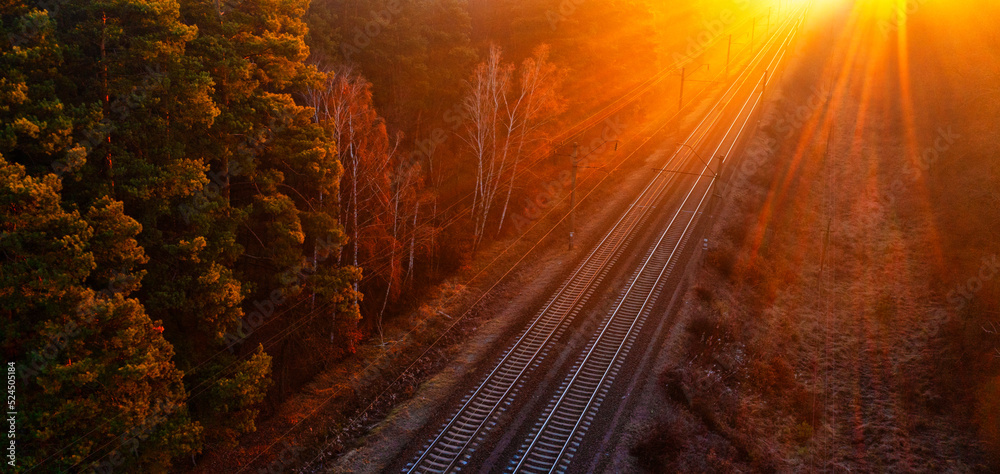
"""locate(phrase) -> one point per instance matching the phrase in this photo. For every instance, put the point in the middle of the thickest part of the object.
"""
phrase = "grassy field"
(842, 320)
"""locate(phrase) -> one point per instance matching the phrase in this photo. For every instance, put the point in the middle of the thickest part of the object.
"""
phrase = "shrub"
(722, 260)
(988, 417)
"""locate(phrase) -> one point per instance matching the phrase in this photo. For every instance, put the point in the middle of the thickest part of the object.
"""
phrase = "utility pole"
(829, 135)
(680, 102)
(572, 196)
(729, 52)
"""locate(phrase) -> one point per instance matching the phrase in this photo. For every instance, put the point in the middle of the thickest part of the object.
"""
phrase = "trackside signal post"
(572, 195)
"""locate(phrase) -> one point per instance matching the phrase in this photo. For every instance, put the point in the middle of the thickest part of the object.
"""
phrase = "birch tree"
(379, 193)
(484, 104)
(536, 103)
(505, 114)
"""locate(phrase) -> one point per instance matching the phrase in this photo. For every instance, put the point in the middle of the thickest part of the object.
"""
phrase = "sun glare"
(552, 235)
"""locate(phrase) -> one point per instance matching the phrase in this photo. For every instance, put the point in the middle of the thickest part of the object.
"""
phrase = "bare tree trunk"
(525, 120)
(413, 242)
(434, 219)
(483, 104)
(108, 163)
(354, 197)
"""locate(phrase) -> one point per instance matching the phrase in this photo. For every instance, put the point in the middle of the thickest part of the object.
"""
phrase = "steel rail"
(619, 329)
(551, 327)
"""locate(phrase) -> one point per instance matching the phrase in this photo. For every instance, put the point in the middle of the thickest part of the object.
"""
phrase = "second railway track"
(554, 438)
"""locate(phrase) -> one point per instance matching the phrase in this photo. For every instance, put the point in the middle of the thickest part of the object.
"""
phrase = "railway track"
(571, 410)
(488, 400)
(569, 413)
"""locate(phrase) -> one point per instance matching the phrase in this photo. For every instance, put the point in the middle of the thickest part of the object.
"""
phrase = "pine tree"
(279, 207)
(189, 188)
(416, 53)
(36, 128)
(98, 387)
(127, 61)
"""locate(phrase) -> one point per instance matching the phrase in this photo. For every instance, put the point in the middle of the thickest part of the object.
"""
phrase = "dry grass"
(361, 402)
(813, 336)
